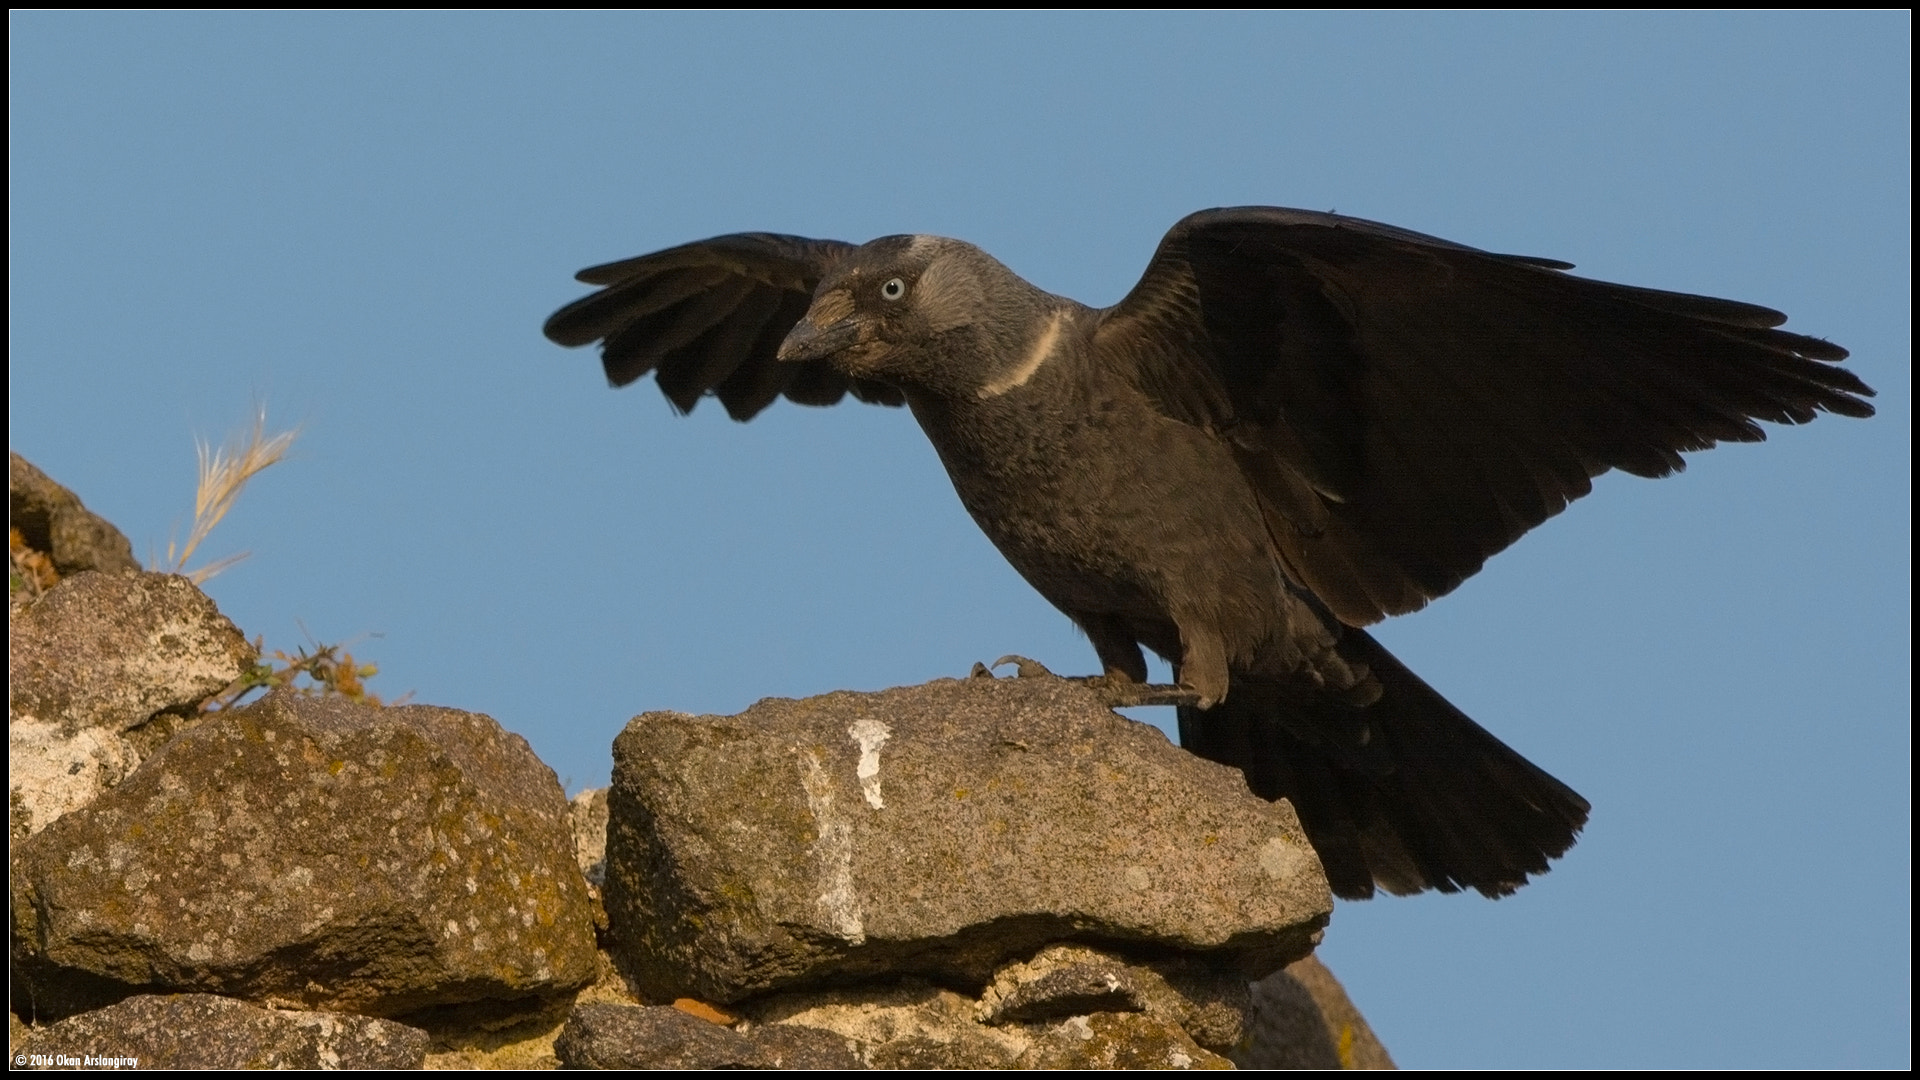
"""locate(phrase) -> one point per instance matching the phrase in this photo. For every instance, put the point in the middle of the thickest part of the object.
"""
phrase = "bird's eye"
(893, 289)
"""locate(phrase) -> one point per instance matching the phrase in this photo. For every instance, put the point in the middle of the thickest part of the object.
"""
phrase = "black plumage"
(1295, 425)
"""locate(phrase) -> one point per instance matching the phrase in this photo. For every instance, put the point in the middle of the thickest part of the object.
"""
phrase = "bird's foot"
(1024, 668)
(1114, 688)
(1120, 692)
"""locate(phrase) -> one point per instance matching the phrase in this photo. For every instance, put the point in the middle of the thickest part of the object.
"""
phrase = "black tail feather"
(1413, 796)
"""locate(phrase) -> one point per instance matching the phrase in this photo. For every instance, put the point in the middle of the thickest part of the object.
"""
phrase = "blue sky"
(362, 220)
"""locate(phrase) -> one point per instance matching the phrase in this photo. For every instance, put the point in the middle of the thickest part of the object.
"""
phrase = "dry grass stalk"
(224, 473)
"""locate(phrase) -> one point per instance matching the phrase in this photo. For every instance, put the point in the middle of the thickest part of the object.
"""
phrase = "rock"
(899, 1024)
(920, 1052)
(201, 1031)
(1109, 1040)
(104, 667)
(603, 1036)
(1070, 990)
(1302, 1019)
(475, 1040)
(109, 650)
(911, 1024)
(522, 1042)
(792, 1046)
(311, 853)
(587, 812)
(608, 1036)
(1209, 1001)
(50, 774)
(939, 830)
(51, 520)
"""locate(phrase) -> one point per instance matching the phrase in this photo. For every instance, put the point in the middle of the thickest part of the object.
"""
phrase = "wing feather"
(1439, 401)
(708, 318)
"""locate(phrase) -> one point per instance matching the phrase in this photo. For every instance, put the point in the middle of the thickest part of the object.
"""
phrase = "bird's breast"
(1104, 505)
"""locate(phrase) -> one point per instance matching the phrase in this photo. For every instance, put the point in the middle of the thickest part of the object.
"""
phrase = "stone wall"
(971, 873)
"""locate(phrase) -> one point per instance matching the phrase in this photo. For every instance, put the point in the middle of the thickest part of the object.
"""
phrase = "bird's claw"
(1115, 690)
(1023, 667)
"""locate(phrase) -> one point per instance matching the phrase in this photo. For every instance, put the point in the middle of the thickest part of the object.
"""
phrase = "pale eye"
(893, 289)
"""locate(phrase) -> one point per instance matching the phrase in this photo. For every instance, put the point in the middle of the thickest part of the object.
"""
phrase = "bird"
(1295, 425)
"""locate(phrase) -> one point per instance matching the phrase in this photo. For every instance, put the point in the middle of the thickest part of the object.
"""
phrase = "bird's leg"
(1120, 656)
(1123, 683)
(1203, 667)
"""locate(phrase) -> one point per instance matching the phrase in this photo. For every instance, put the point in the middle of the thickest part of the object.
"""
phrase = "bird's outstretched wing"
(1406, 407)
(708, 317)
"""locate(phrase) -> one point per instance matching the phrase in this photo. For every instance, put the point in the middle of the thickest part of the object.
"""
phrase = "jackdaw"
(1296, 424)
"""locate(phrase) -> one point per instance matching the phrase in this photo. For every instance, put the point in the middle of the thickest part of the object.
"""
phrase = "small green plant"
(320, 671)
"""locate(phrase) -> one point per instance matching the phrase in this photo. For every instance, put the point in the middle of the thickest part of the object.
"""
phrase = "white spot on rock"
(51, 773)
(1281, 860)
(834, 852)
(869, 734)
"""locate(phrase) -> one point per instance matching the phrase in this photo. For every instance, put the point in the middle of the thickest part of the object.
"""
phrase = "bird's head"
(918, 312)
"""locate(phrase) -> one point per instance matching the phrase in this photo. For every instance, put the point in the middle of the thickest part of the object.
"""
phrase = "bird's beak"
(810, 341)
